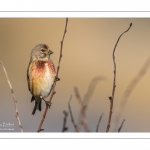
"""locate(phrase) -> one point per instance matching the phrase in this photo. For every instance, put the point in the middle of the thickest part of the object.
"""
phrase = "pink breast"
(51, 67)
(39, 68)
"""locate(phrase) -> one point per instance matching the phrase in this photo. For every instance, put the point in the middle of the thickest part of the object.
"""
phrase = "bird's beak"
(50, 52)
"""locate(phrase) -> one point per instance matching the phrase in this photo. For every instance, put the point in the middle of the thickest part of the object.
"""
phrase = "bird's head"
(41, 52)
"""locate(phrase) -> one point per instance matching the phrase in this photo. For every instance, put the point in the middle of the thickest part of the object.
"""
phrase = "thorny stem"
(114, 81)
(15, 101)
(54, 84)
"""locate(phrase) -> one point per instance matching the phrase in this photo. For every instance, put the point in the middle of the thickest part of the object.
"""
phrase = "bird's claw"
(48, 104)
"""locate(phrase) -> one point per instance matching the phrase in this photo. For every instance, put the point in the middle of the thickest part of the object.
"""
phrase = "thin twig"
(13, 95)
(84, 103)
(55, 81)
(65, 121)
(128, 92)
(83, 120)
(91, 89)
(121, 125)
(71, 115)
(77, 95)
(100, 118)
(111, 98)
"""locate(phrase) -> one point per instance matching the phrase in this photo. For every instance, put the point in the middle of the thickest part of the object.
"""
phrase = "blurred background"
(87, 53)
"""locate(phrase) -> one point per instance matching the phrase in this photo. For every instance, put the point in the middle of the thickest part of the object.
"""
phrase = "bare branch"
(65, 121)
(128, 92)
(13, 95)
(71, 115)
(114, 81)
(56, 79)
(121, 125)
(83, 120)
(100, 118)
(84, 103)
(77, 94)
(91, 89)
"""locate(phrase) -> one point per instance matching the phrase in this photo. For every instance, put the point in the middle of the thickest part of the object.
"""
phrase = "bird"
(40, 74)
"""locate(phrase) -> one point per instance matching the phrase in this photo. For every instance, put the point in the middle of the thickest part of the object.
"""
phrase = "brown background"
(87, 53)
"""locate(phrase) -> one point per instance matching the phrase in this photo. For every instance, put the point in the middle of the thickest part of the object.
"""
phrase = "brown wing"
(28, 76)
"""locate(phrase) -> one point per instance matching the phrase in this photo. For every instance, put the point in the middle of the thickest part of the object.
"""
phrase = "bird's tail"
(37, 106)
(32, 98)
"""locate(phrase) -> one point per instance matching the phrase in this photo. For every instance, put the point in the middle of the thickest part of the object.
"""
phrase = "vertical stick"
(14, 99)
(65, 121)
(128, 92)
(111, 98)
(54, 84)
(71, 115)
(99, 122)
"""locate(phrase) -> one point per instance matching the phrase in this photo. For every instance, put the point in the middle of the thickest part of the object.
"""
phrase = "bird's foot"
(48, 104)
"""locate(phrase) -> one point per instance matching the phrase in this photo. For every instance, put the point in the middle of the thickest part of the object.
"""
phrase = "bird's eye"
(42, 50)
